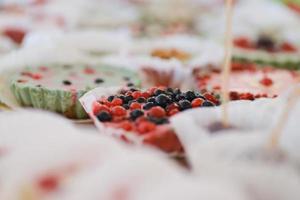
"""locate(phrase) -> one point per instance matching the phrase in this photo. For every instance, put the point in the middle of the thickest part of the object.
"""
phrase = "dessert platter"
(149, 99)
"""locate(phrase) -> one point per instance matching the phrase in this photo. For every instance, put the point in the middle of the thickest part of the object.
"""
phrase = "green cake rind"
(59, 101)
(290, 61)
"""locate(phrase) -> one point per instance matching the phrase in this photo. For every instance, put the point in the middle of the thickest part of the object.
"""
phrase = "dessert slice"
(143, 116)
(266, 50)
(58, 88)
(247, 81)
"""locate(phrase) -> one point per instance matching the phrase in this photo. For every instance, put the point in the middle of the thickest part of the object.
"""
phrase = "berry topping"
(97, 107)
(136, 94)
(66, 82)
(189, 95)
(145, 127)
(104, 116)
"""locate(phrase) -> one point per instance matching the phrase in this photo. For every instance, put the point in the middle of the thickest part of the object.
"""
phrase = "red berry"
(15, 34)
(197, 102)
(210, 98)
(173, 111)
(242, 43)
(136, 94)
(145, 127)
(135, 106)
(266, 81)
(117, 102)
(36, 76)
(172, 106)
(89, 70)
(157, 111)
(288, 47)
(151, 90)
(97, 107)
(48, 183)
(146, 95)
(118, 111)
(126, 125)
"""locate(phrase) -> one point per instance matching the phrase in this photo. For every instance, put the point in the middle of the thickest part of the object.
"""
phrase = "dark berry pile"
(143, 111)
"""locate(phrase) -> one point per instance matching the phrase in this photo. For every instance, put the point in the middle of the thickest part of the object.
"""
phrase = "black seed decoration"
(126, 78)
(66, 82)
(130, 84)
(99, 80)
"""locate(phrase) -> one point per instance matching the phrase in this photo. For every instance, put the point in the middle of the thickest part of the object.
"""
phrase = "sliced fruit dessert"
(266, 50)
(57, 88)
(247, 81)
(142, 116)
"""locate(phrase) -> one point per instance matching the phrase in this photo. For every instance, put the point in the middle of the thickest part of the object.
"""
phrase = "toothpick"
(278, 129)
(227, 62)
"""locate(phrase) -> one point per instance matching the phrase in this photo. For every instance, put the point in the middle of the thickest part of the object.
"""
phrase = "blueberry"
(158, 121)
(200, 96)
(99, 80)
(148, 105)
(151, 99)
(179, 97)
(110, 98)
(136, 114)
(158, 92)
(265, 42)
(126, 106)
(189, 95)
(177, 91)
(141, 100)
(66, 82)
(133, 89)
(170, 90)
(128, 98)
(104, 116)
(207, 104)
(162, 100)
(184, 104)
(122, 97)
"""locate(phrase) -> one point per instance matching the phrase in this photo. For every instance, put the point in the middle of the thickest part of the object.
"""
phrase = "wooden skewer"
(278, 129)
(227, 62)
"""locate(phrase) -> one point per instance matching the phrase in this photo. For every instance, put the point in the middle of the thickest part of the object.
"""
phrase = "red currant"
(118, 111)
(135, 106)
(157, 111)
(117, 102)
(197, 102)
